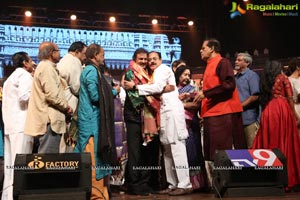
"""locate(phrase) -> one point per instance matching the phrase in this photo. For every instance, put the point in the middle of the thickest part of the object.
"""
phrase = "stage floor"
(202, 196)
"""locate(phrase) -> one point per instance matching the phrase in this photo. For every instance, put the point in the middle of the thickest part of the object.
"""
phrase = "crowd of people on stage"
(174, 125)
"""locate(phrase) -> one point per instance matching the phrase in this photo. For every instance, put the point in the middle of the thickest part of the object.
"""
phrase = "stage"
(202, 196)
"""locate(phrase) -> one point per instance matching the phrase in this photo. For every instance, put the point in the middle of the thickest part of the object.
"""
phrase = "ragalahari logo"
(270, 9)
(236, 10)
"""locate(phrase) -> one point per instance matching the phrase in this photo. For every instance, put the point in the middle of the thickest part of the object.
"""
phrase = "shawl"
(187, 88)
(147, 106)
(189, 114)
(106, 148)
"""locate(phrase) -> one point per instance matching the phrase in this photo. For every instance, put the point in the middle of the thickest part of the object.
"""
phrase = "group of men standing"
(229, 110)
(36, 108)
(42, 104)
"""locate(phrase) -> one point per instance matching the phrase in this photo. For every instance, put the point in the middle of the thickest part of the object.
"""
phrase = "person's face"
(81, 55)
(28, 65)
(99, 58)
(154, 61)
(55, 54)
(185, 77)
(205, 51)
(142, 60)
(240, 63)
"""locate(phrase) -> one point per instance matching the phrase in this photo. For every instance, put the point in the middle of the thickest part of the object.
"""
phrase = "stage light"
(122, 21)
(28, 13)
(190, 23)
(154, 21)
(112, 19)
(73, 17)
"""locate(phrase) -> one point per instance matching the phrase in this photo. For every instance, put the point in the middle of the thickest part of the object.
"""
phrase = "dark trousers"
(1, 174)
(141, 159)
(223, 132)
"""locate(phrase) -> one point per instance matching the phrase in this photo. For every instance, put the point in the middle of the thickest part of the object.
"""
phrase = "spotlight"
(154, 21)
(73, 17)
(112, 19)
(28, 13)
(190, 23)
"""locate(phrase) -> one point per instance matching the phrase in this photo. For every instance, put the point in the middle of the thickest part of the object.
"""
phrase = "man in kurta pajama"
(93, 89)
(70, 68)
(16, 92)
(221, 107)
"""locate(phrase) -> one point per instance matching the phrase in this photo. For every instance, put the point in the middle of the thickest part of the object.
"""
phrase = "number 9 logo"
(265, 157)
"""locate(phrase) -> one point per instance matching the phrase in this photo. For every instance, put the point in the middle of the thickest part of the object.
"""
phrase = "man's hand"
(69, 110)
(168, 88)
(68, 114)
(199, 96)
(184, 96)
(129, 85)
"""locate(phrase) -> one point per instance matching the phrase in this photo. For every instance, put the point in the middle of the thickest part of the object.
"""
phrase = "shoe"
(166, 191)
(181, 191)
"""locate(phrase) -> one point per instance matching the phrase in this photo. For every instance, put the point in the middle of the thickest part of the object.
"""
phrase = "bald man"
(48, 107)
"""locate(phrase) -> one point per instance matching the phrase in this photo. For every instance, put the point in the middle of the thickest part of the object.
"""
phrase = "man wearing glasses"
(48, 107)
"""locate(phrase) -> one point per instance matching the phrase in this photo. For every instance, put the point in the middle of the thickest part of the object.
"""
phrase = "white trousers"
(14, 143)
(176, 165)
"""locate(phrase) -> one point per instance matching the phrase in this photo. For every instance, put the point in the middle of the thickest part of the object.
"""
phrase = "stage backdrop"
(118, 46)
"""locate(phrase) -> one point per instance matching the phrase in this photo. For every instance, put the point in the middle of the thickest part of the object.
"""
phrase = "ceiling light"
(28, 13)
(154, 21)
(112, 19)
(73, 17)
(191, 23)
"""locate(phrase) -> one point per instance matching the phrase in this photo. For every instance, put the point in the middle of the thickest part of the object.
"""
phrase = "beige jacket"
(47, 102)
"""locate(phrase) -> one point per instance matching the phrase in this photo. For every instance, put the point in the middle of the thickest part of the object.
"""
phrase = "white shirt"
(70, 68)
(16, 92)
(162, 76)
(122, 96)
(171, 106)
(295, 82)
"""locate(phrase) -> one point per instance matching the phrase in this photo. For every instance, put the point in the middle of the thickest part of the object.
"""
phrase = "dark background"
(243, 33)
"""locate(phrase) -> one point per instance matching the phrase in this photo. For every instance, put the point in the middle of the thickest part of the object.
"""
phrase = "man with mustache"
(173, 132)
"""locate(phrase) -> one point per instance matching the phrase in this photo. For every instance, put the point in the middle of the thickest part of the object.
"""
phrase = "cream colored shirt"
(47, 102)
(70, 68)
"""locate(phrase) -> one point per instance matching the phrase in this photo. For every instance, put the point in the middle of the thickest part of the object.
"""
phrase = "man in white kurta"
(16, 92)
(70, 68)
(173, 130)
